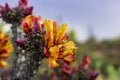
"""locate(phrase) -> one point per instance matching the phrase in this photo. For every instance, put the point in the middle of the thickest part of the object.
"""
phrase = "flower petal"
(55, 28)
(1, 34)
(3, 63)
(69, 49)
(52, 62)
(70, 58)
(49, 29)
(54, 52)
(4, 54)
(61, 33)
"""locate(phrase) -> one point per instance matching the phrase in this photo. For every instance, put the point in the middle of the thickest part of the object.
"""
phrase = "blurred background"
(92, 24)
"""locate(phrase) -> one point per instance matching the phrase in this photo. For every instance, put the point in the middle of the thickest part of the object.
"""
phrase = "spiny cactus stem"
(15, 36)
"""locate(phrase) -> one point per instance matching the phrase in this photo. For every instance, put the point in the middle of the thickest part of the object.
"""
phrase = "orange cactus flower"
(5, 48)
(57, 47)
(30, 22)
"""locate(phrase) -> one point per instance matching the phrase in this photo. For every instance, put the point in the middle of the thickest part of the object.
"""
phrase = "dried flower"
(5, 48)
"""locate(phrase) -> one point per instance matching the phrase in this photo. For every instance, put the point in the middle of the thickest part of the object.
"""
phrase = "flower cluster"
(56, 46)
(5, 48)
(14, 15)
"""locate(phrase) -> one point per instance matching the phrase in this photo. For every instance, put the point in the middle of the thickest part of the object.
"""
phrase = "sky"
(103, 16)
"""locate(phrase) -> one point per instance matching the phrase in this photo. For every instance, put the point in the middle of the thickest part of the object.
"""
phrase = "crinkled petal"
(54, 52)
(1, 34)
(69, 58)
(9, 47)
(4, 40)
(55, 28)
(52, 62)
(61, 34)
(4, 54)
(69, 49)
(3, 64)
(49, 29)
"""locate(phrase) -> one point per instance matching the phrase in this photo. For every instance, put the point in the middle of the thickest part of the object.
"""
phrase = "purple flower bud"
(85, 62)
(66, 69)
(7, 7)
(28, 11)
(20, 41)
(1, 9)
(37, 26)
(23, 3)
(93, 76)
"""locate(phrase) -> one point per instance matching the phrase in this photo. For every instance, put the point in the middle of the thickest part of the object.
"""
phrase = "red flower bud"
(20, 41)
(23, 3)
(37, 26)
(7, 7)
(1, 9)
(85, 62)
(66, 68)
(54, 76)
(28, 11)
(93, 76)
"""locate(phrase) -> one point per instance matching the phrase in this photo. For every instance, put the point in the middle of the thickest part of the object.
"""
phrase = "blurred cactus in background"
(36, 43)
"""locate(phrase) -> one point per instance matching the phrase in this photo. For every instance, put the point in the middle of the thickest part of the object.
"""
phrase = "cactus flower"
(57, 48)
(31, 23)
(5, 48)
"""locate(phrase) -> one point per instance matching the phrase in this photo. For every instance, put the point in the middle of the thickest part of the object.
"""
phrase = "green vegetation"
(105, 55)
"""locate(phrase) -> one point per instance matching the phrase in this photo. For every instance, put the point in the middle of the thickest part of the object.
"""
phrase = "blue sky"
(102, 15)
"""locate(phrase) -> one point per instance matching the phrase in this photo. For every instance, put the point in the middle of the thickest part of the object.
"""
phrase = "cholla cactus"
(5, 48)
(38, 45)
(14, 16)
(40, 41)
(32, 44)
